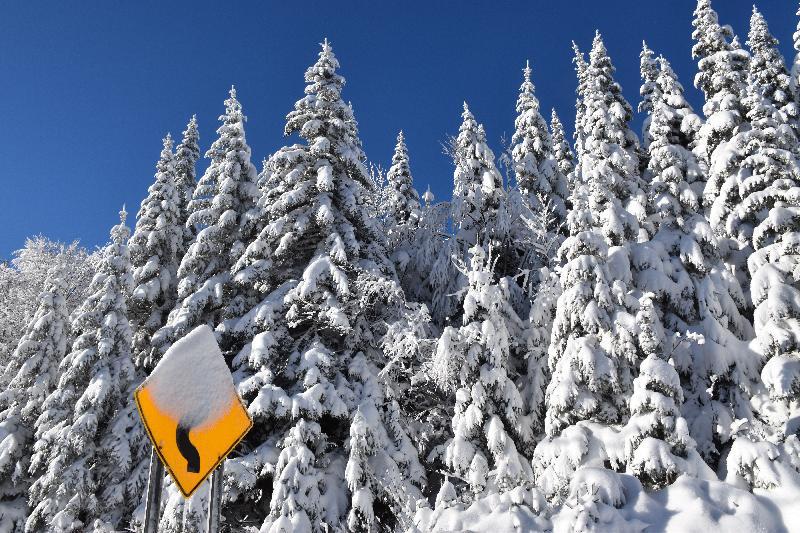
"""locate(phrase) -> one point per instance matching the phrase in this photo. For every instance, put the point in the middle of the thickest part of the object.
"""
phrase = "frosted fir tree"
(610, 149)
(565, 158)
(311, 367)
(656, 435)
(186, 155)
(41, 349)
(591, 350)
(648, 69)
(777, 310)
(688, 278)
(154, 248)
(478, 191)
(404, 199)
(533, 383)
(223, 195)
(581, 72)
(769, 71)
(404, 216)
(722, 77)
(584, 356)
(764, 452)
(489, 426)
(83, 461)
(182, 515)
(610, 158)
(763, 173)
(535, 167)
(766, 221)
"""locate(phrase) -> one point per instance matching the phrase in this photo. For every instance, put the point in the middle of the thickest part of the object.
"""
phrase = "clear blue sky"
(89, 88)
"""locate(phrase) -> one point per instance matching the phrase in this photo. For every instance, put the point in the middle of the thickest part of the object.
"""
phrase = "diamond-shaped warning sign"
(191, 410)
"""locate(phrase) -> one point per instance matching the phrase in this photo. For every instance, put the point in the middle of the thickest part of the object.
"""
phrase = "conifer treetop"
(649, 72)
(403, 198)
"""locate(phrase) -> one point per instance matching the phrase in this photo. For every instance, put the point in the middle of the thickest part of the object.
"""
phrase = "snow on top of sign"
(192, 382)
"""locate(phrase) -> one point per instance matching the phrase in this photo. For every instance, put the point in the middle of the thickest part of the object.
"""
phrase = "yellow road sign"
(191, 410)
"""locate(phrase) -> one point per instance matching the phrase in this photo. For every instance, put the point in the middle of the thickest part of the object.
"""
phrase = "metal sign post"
(153, 502)
(215, 499)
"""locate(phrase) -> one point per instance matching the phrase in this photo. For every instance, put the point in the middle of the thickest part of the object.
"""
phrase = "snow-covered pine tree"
(403, 198)
(693, 288)
(223, 195)
(765, 448)
(656, 435)
(648, 91)
(610, 152)
(218, 212)
(565, 158)
(770, 437)
(581, 70)
(328, 437)
(763, 173)
(478, 214)
(533, 383)
(478, 192)
(186, 155)
(403, 219)
(722, 77)
(769, 71)
(41, 349)
(154, 248)
(592, 351)
(766, 221)
(489, 426)
(538, 176)
(583, 356)
(85, 457)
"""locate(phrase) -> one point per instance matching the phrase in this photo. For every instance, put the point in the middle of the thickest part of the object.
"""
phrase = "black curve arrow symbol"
(187, 449)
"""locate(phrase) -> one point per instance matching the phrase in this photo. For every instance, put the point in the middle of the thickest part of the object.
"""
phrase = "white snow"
(192, 382)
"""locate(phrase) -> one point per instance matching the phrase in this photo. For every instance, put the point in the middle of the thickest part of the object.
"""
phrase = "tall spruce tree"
(689, 281)
(769, 72)
(656, 435)
(478, 193)
(218, 212)
(796, 63)
(765, 222)
(565, 158)
(590, 349)
(154, 248)
(777, 314)
(764, 178)
(489, 426)
(223, 195)
(722, 78)
(41, 349)
(323, 422)
(403, 198)
(84, 457)
(610, 156)
(186, 155)
(648, 91)
(581, 70)
(538, 177)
